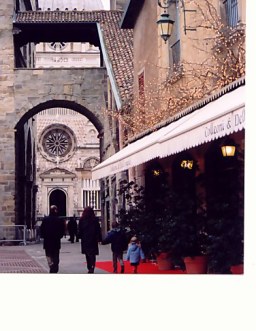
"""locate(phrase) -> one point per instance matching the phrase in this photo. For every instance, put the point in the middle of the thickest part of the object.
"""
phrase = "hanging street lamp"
(165, 25)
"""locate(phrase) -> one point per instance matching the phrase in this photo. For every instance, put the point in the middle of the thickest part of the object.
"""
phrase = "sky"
(105, 4)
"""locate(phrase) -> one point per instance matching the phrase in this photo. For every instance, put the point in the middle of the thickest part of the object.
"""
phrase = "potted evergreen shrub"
(172, 230)
(188, 234)
(226, 217)
(150, 225)
(226, 242)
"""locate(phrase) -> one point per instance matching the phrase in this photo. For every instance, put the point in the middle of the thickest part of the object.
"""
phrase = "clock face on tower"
(57, 46)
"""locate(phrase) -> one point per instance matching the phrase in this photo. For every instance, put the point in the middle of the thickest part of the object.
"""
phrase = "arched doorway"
(58, 198)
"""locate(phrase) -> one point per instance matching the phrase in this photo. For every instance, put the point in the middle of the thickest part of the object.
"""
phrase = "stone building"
(67, 141)
(70, 5)
(49, 116)
(169, 63)
(68, 148)
(187, 110)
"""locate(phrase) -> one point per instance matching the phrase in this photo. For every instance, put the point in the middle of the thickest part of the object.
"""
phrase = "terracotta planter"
(164, 261)
(237, 269)
(196, 264)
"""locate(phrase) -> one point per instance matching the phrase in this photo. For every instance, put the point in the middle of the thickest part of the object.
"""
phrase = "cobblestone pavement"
(31, 258)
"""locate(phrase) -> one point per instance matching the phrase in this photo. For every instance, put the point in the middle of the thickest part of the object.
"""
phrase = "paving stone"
(18, 261)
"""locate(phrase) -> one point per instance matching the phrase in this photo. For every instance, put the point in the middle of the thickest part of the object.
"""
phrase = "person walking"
(117, 238)
(90, 235)
(72, 230)
(135, 254)
(52, 230)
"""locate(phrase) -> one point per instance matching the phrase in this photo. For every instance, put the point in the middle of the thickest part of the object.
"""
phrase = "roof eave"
(131, 13)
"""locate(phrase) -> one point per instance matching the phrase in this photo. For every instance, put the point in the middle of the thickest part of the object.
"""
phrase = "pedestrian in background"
(90, 235)
(52, 230)
(117, 238)
(72, 230)
(135, 254)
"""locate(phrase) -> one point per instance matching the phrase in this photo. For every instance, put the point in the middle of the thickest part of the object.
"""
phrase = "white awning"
(134, 154)
(217, 119)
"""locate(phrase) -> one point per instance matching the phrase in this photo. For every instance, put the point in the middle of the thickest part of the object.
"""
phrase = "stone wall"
(85, 87)
(7, 115)
(25, 92)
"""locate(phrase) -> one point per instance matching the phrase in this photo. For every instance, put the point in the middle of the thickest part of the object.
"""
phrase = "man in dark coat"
(90, 235)
(72, 230)
(52, 230)
(117, 238)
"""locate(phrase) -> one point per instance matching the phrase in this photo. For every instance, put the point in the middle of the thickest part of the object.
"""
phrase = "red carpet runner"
(144, 268)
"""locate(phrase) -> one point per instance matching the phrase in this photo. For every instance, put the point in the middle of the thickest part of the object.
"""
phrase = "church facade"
(67, 142)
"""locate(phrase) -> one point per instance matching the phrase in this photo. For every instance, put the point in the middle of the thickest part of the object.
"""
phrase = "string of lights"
(187, 83)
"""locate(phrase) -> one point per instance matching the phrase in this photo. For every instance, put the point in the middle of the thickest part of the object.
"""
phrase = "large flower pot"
(196, 264)
(164, 261)
(237, 269)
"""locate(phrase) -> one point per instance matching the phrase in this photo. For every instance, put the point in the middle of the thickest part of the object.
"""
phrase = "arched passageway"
(43, 178)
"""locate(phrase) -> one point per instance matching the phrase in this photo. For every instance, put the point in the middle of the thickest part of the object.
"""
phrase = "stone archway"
(95, 118)
(26, 122)
(81, 90)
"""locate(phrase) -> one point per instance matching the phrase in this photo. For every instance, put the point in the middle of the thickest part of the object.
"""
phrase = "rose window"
(57, 142)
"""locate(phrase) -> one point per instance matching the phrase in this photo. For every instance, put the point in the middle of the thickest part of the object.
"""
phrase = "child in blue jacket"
(135, 254)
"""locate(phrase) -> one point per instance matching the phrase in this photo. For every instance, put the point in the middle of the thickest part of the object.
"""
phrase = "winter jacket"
(135, 253)
(52, 230)
(72, 226)
(90, 234)
(117, 238)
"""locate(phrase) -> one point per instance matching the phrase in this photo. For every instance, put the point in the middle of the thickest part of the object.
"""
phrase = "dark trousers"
(118, 257)
(53, 259)
(72, 237)
(91, 261)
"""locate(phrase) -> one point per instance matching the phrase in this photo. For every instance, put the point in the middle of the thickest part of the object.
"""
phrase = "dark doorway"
(155, 186)
(224, 180)
(183, 175)
(58, 198)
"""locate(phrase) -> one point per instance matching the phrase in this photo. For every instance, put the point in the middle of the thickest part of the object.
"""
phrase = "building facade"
(188, 105)
(68, 148)
(50, 115)
(67, 141)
